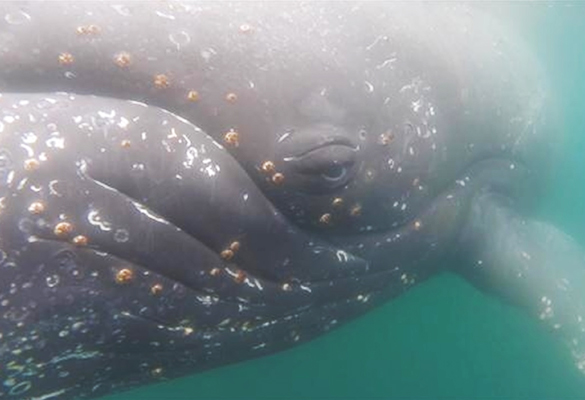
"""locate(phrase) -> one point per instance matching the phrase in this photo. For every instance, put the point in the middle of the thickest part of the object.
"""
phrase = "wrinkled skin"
(189, 185)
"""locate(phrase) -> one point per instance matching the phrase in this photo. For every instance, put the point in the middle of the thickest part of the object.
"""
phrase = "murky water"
(444, 339)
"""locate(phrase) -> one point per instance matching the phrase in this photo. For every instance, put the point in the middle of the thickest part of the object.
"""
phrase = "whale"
(189, 185)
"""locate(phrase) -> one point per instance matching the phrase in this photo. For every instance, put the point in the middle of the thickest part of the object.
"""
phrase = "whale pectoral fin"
(530, 264)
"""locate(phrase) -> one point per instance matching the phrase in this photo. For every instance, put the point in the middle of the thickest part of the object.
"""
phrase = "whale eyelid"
(334, 142)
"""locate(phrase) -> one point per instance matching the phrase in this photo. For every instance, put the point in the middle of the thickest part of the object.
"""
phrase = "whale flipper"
(528, 263)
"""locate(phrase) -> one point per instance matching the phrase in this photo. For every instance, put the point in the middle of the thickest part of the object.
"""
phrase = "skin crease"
(244, 178)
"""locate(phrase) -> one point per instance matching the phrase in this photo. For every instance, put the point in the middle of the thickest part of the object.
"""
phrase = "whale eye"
(318, 159)
(324, 168)
(334, 173)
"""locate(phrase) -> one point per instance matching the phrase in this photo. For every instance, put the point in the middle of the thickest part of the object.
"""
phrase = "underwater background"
(443, 339)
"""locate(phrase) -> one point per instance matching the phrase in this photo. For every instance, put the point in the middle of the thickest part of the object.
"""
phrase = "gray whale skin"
(184, 186)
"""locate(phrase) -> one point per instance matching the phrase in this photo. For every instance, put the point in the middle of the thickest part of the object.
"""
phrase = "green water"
(443, 339)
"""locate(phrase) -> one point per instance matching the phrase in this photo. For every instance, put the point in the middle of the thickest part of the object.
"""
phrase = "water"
(444, 339)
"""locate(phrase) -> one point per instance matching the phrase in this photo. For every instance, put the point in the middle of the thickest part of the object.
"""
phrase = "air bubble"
(17, 18)
(163, 15)
(20, 388)
(121, 235)
(77, 325)
(56, 142)
(25, 225)
(29, 137)
(6, 166)
(45, 104)
(369, 87)
(179, 39)
(100, 122)
(207, 54)
(122, 10)
(52, 280)
(16, 314)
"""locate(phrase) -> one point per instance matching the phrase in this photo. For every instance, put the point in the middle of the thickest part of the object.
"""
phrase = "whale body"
(189, 185)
